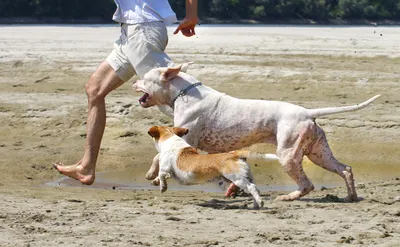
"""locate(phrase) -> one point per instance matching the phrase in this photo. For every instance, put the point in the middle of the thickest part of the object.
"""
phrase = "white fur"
(169, 153)
(221, 123)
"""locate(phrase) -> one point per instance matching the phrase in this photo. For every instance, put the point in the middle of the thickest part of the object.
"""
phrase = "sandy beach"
(42, 120)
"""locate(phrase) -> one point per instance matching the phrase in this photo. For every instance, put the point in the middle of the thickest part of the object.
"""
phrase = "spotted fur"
(221, 123)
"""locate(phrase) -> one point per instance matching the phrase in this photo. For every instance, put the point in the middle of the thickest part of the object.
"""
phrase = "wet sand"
(42, 120)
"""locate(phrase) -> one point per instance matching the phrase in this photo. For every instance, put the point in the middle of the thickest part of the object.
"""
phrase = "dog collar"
(185, 90)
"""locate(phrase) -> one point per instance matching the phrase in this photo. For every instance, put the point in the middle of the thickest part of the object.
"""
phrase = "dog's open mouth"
(144, 99)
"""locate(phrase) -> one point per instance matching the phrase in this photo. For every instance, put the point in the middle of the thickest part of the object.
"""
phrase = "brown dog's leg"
(242, 180)
(155, 166)
(163, 181)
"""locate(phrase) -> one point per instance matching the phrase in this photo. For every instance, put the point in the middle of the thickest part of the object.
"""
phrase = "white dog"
(188, 166)
(221, 123)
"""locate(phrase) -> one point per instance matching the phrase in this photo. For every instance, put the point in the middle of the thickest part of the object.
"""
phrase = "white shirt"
(142, 11)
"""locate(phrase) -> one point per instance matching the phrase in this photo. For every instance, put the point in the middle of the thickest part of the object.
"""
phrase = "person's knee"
(92, 88)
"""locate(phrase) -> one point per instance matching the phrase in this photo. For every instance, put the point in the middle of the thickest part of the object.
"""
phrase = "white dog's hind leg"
(291, 145)
(292, 165)
(322, 156)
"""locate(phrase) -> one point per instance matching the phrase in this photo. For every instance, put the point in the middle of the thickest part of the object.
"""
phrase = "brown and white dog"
(184, 163)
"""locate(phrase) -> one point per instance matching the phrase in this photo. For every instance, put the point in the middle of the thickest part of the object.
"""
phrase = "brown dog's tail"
(247, 154)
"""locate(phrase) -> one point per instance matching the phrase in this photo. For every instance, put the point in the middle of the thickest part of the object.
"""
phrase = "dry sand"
(42, 120)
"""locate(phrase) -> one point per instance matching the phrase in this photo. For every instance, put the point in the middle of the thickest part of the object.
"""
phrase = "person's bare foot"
(76, 172)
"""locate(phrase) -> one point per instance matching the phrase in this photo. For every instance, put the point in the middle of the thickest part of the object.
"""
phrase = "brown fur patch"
(165, 135)
(241, 153)
(207, 166)
(153, 132)
(179, 131)
(162, 133)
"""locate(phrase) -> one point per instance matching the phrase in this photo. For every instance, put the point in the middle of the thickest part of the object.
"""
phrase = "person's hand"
(187, 27)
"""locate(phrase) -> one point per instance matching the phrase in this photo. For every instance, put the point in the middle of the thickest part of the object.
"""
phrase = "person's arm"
(188, 24)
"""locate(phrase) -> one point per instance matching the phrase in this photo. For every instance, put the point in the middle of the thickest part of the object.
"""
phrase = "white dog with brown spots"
(221, 123)
(188, 166)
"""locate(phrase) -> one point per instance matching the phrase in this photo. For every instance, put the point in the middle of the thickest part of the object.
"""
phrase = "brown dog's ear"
(180, 131)
(169, 73)
(154, 132)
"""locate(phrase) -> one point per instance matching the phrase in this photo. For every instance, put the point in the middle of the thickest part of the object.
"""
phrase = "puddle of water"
(269, 176)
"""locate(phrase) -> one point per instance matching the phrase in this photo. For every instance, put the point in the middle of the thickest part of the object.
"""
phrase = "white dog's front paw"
(163, 188)
(156, 181)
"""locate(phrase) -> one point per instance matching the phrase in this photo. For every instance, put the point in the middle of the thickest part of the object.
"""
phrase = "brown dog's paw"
(156, 182)
(151, 175)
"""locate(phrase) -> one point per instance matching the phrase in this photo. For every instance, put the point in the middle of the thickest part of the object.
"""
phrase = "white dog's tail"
(332, 110)
(247, 154)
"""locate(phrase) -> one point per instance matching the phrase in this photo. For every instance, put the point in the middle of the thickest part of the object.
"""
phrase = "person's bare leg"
(101, 83)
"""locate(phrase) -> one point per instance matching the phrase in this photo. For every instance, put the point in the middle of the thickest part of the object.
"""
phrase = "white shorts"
(139, 49)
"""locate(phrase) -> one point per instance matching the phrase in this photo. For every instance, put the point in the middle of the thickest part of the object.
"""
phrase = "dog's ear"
(135, 83)
(169, 73)
(185, 66)
(154, 132)
(180, 131)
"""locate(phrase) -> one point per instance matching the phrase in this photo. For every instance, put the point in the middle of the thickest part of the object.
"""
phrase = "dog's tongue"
(144, 98)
